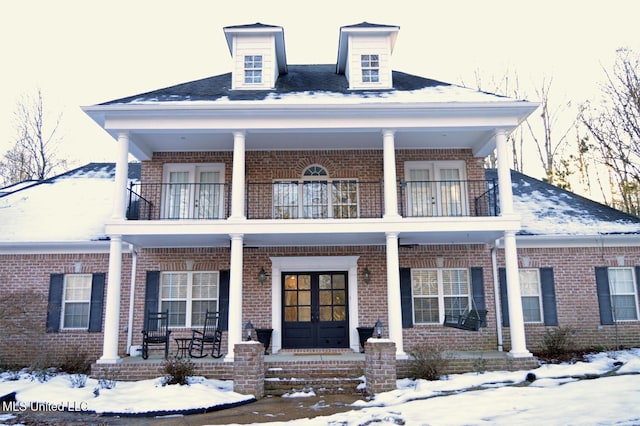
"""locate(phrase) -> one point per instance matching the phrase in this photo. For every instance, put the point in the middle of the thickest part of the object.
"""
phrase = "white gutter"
(132, 293)
(496, 291)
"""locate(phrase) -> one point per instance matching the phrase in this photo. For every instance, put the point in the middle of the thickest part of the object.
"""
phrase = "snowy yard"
(603, 390)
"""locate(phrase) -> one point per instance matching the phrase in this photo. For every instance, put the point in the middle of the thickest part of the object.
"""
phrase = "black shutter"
(54, 306)
(604, 296)
(97, 298)
(504, 301)
(548, 296)
(477, 291)
(406, 301)
(223, 300)
(638, 285)
(151, 296)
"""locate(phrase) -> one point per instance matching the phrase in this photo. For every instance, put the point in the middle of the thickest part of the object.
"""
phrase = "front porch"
(338, 370)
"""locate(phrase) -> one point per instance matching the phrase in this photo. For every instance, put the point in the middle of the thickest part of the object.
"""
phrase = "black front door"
(315, 310)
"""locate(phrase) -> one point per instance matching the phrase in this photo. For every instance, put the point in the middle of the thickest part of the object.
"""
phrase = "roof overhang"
(199, 126)
(57, 247)
(563, 241)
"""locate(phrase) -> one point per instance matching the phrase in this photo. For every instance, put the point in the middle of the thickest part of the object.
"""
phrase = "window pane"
(304, 282)
(339, 313)
(304, 313)
(205, 285)
(77, 287)
(426, 309)
(325, 297)
(425, 282)
(199, 310)
(177, 312)
(621, 281)
(76, 315)
(531, 309)
(455, 282)
(326, 313)
(624, 307)
(304, 298)
(290, 313)
(285, 200)
(456, 305)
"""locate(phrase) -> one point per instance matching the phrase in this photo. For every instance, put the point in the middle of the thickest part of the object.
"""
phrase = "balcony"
(315, 199)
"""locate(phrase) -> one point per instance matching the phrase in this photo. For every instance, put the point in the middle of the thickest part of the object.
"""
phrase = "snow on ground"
(605, 389)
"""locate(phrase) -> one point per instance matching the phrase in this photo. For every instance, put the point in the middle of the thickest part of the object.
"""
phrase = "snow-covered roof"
(16, 187)
(71, 207)
(547, 210)
(313, 84)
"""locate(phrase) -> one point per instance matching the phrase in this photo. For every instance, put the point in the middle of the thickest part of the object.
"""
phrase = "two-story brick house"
(350, 185)
(317, 199)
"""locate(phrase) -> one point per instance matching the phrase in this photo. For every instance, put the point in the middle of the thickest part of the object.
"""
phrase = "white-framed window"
(76, 301)
(315, 196)
(188, 295)
(370, 65)
(531, 294)
(622, 287)
(193, 191)
(439, 291)
(436, 188)
(253, 69)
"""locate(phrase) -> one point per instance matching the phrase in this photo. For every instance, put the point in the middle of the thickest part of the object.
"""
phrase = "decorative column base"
(248, 369)
(380, 366)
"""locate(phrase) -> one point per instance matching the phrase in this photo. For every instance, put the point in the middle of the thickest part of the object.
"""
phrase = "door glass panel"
(420, 192)
(325, 297)
(285, 200)
(304, 298)
(209, 191)
(339, 313)
(304, 282)
(450, 192)
(338, 297)
(304, 313)
(290, 313)
(338, 281)
(177, 196)
(326, 313)
(315, 200)
(290, 282)
(325, 282)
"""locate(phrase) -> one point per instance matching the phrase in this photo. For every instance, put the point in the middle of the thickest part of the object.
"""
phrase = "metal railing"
(336, 199)
(156, 201)
(448, 198)
(314, 199)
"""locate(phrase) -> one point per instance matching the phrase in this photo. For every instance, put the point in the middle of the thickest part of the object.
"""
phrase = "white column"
(121, 178)
(516, 319)
(235, 294)
(112, 311)
(394, 305)
(504, 174)
(390, 177)
(237, 176)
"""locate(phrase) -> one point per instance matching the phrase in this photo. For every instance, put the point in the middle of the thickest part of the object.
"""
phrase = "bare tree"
(614, 125)
(33, 155)
(551, 146)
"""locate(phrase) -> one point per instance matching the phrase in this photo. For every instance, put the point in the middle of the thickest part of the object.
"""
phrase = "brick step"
(280, 386)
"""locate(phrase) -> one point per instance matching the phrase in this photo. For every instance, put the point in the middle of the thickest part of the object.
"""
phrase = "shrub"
(558, 341)
(178, 370)
(76, 363)
(428, 362)
(78, 380)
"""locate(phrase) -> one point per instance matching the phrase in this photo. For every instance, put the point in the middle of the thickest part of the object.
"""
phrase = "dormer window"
(253, 69)
(370, 68)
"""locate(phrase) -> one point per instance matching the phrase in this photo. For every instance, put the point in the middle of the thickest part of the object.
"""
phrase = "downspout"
(496, 290)
(132, 293)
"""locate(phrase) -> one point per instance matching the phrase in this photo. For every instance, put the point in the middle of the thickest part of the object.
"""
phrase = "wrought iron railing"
(155, 201)
(448, 198)
(314, 199)
(336, 199)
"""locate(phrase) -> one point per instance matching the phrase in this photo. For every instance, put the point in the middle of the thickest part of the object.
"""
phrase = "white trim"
(314, 263)
(61, 247)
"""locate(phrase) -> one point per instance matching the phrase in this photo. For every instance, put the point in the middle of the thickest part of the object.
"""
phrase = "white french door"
(436, 189)
(193, 191)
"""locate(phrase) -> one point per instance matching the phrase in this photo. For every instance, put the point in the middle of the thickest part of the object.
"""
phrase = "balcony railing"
(448, 198)
(314, 199)
(155, 201)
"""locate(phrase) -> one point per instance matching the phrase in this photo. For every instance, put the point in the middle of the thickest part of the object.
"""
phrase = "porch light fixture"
(366, 275)
(378, 329)
(262, 276)
(248, 330)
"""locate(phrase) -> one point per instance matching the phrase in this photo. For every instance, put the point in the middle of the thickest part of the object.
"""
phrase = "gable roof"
(547, 210)
(312, 82)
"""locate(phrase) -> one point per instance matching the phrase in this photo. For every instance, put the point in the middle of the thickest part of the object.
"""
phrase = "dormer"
(258, 55)
(364, 55)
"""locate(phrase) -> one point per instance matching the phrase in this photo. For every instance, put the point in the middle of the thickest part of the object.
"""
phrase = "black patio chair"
(210, 334)
(156, 332)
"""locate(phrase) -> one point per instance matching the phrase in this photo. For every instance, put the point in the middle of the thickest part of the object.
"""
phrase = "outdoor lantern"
(366, 275)
(378, 329)
(248, 330)
(262, 276)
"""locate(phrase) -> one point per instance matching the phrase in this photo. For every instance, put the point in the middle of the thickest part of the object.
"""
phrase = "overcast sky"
(82, 52)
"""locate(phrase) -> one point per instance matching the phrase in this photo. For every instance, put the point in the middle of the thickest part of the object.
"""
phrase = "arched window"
(315, 196)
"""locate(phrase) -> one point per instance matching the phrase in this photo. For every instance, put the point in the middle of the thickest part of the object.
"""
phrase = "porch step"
(323, 371)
